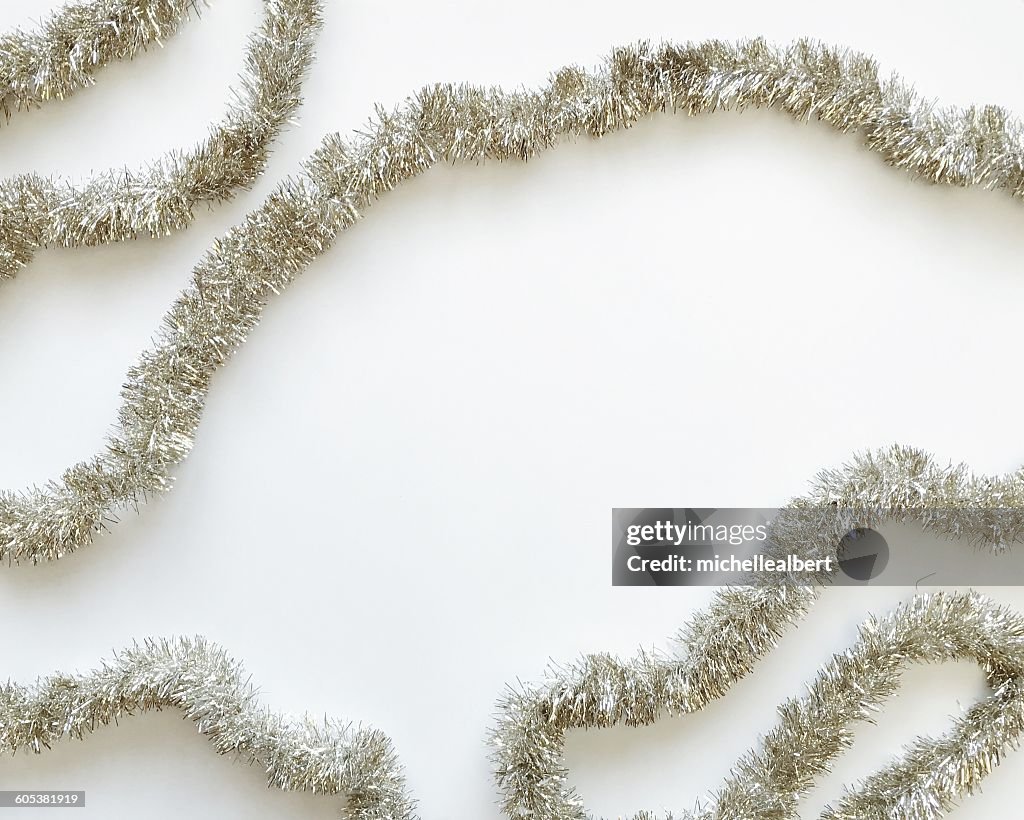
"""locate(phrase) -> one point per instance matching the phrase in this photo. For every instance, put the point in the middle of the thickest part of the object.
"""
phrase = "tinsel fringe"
(121, 204)
(71, 45)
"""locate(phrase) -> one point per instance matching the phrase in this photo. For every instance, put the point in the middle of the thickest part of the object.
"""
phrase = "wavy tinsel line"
(164, 393)
(722, 644)
(122, 204)
(361, 765)
(212, 690)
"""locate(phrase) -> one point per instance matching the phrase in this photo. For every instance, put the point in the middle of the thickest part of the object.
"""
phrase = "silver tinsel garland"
(165, 391)
(765, 784)
(212, 690)
(722, 644)
(121, 204)
(62, 56)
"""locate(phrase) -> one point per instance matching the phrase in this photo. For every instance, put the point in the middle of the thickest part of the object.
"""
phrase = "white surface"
(400, 495)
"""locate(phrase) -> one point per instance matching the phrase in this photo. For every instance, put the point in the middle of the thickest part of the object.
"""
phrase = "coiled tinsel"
(37, 211)
(721, 645)
(165, 391)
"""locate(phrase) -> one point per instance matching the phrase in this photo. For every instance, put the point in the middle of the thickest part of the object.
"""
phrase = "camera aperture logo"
(863, 554)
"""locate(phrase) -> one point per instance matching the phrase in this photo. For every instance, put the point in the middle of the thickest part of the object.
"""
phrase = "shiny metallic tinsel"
(62, 56)
(164, 394)
(765, 784)
(120, 204)
(212, 690)
(721, 645)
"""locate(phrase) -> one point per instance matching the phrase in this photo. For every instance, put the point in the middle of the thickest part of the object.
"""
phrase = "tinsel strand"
(121, 204)
(212, 690)
(766, 784)
(71, 45)
(164, 393)
(721, 645)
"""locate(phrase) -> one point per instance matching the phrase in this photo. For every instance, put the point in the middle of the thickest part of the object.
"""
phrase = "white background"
(400, 495)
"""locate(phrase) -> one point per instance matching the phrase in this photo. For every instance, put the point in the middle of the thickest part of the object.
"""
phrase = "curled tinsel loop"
(767, 783)
(164, 393)
(722, 644)
(197, 677)
(121, 204)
